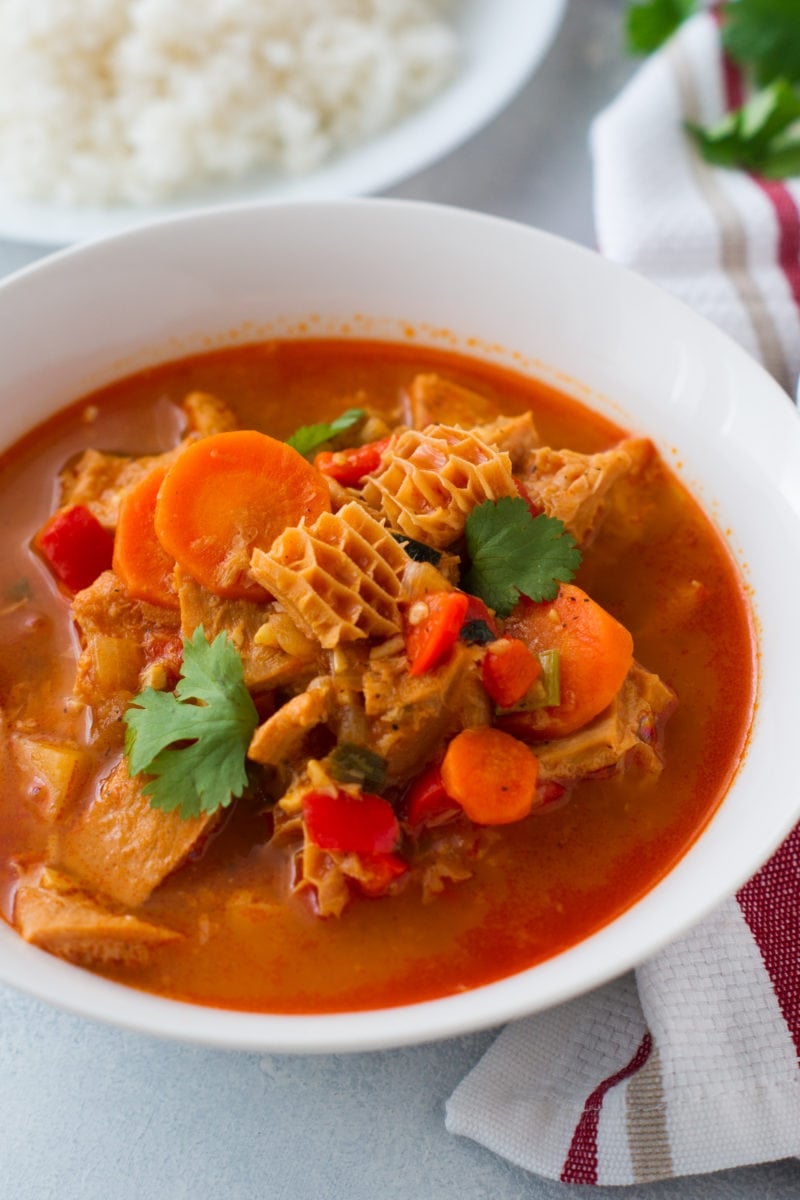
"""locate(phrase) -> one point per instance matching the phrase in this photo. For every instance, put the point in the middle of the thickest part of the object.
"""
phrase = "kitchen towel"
(691, 1064)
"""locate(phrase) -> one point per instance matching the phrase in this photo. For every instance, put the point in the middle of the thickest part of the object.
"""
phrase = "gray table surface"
(93, 1113)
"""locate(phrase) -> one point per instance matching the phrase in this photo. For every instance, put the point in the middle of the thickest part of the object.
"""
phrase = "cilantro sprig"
(308, 437)
(513, 553)
(193, 742)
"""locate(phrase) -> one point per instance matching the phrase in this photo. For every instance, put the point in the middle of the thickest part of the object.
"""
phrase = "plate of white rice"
(118, 112)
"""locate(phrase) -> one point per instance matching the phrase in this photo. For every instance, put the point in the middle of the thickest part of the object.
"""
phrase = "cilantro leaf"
(762, 136)
(308, 437)
(513, 553)
(194, 741)
(649, 23)
(764, 35)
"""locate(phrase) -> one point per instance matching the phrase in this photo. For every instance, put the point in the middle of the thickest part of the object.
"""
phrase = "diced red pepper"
(381, 870)
(477, 611)
(363, 824)
(75, 546)
(548, 792)
(431, 638)
(509, 670)
(349, 467)
(535, 510)
(427, 803)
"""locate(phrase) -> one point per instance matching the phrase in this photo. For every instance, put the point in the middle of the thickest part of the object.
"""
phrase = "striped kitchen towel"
(691, 1065)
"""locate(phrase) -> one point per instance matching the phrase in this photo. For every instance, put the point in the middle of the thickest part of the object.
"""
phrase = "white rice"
(134, 101)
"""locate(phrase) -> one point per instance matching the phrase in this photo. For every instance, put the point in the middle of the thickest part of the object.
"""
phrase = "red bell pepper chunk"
(363, 824)
(348, 467)
(534, 509)
(380, 870)
(75, 546)
(548, 792)
(427, 803)
(431, 638)
(509, 670)
(477, 611)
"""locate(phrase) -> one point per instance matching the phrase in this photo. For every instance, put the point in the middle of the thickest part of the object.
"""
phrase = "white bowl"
(502, 44)
(501, 292)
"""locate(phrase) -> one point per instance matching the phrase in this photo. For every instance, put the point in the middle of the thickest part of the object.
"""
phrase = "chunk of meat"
(115, 632)
(99, 481)
(208, 414)
(54, 913)
(631, 727)
(517, 436)
(280, 739)
(339, 578)
(410, 717)
(575, 487)
(430, 481)
(121, 846)
(434, 400)
(266, 665)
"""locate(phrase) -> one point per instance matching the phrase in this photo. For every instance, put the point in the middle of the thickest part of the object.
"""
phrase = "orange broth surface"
(547, 881)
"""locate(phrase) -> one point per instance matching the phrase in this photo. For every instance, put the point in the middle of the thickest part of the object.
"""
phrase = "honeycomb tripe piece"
(432, 479)
(339, 579)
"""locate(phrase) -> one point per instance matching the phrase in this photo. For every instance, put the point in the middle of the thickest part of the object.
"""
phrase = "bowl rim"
(81, 992)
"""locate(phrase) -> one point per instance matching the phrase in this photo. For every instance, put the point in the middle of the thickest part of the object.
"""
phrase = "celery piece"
(546, 692)
(550, 677)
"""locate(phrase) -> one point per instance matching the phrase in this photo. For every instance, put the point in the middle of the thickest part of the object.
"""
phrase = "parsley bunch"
(193, 741)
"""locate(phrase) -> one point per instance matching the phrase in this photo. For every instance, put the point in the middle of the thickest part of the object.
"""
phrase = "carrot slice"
(491, 775)
(141, 562)
(595, 653)
(228, 494)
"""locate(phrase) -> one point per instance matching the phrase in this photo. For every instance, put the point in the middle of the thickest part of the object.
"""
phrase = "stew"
(342, 674)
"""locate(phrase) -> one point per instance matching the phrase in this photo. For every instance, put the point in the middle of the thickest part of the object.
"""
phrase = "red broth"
(548, 881)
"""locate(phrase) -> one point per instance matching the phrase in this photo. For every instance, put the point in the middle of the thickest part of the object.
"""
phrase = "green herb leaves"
(649, 23)
(309, 437)
(513, 553)
(193, 742)
(763, 135)
(764, 35)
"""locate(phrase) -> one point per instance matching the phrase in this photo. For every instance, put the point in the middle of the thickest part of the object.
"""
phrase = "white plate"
(503, 41)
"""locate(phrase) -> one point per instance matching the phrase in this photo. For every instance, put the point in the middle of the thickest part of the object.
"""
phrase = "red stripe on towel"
(770, 902)
(581, 1162)
(781, 199)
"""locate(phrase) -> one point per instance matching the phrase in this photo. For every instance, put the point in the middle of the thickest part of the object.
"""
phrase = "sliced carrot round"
(595, 655)
(141, 562)
(491, 775)
(229, 494)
